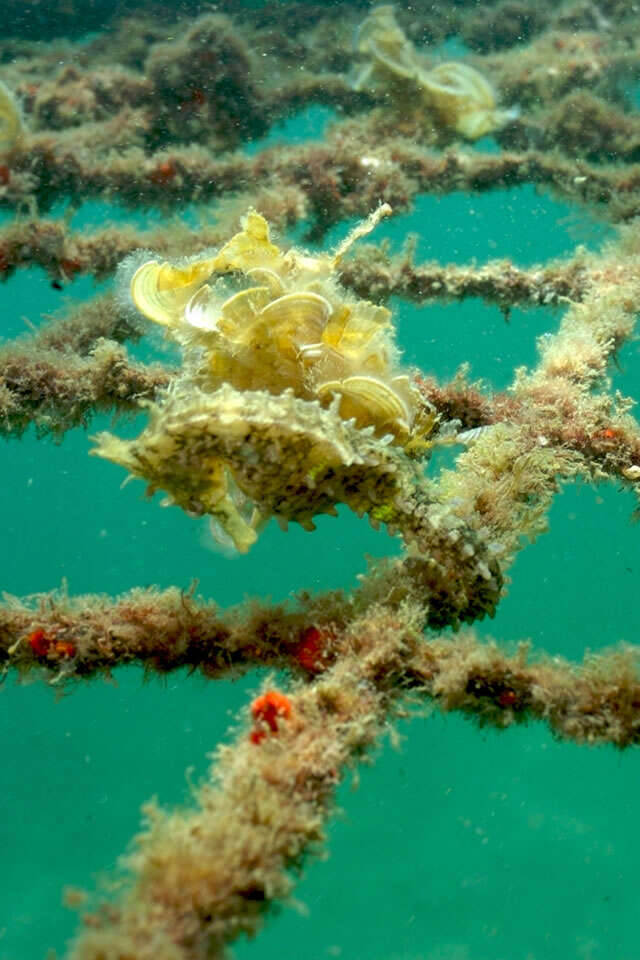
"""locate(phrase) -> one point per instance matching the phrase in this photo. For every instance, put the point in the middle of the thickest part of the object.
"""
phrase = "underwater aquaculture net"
(290, 398)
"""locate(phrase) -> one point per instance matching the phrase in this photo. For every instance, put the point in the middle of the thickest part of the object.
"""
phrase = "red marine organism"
(44, 644)
(311, 649)
(39, 642)
(508, 698)
(266, 710)
(164, 173)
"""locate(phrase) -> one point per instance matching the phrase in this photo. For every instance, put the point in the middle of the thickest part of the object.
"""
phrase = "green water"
(463, 844)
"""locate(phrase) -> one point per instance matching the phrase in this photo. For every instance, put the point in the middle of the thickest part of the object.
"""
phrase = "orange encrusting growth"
(266, 709)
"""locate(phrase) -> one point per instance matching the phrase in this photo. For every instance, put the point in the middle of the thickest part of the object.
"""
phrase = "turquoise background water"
(461, 845)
